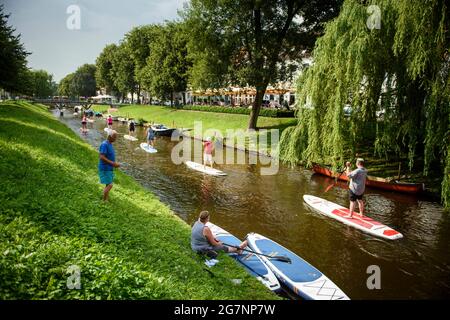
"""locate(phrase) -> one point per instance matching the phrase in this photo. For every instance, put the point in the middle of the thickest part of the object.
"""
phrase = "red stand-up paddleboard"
(362, 223)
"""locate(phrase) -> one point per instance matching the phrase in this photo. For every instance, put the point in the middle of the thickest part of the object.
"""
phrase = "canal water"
(415, 267)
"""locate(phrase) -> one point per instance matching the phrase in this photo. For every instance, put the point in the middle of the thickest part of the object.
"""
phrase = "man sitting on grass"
(203, 241)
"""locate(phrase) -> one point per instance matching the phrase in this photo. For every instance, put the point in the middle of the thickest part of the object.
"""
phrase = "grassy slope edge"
(52, 217)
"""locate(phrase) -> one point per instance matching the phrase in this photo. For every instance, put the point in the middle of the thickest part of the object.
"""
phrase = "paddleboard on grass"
(147, 148)
(362, 223)
(205, 169)
(131, 138)
(301, 277)
(251, 262)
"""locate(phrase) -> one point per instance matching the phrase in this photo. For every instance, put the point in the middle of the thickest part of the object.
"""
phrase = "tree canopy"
(84, 83)
(400, 69)
(42, 84)
(138, 42)
(13, 57)
(249, 42)
(123, 70)
(104, 75)
(166, 67)
(80, 83)
(65, 86)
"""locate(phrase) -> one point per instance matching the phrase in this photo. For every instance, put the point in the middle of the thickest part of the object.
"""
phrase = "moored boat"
(375, 182)
(162, 130)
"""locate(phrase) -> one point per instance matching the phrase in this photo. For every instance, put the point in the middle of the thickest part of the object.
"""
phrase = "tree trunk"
(138, 94)
(256, 106)
(171, 99)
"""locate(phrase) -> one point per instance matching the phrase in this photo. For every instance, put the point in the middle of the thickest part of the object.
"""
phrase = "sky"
(59, 45)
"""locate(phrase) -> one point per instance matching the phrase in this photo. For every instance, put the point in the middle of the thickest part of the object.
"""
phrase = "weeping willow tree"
(400, 65)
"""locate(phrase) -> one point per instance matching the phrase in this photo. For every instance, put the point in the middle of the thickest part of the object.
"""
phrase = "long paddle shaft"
(280, 258)
(335, 183)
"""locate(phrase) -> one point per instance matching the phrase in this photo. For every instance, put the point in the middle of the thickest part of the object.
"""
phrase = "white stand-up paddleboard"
(250, 261)
(131, 138)
(147, 148)
(300, 276)
(205, 169)
(362, 223)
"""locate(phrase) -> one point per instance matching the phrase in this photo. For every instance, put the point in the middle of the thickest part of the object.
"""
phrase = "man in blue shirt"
(357, 186)
(107, 163)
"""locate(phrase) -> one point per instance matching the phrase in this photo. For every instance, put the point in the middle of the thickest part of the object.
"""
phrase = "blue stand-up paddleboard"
(252, 263)
(301, 277)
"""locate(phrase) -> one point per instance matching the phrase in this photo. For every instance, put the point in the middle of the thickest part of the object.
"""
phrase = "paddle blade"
(329, 187)
(282, 259)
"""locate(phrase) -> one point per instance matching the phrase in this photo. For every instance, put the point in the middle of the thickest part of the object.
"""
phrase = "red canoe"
(375, 182)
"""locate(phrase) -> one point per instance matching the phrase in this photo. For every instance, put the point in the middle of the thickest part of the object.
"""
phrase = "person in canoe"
(131, 128)
(357, 179)
(107, 163)
(208, 146)
(203, 241)
(150, 134)
(109, 121)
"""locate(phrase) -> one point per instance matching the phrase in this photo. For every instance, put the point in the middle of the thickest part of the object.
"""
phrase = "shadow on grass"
(281, 126)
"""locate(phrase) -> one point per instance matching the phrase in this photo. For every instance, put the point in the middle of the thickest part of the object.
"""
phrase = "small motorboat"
(162, 130)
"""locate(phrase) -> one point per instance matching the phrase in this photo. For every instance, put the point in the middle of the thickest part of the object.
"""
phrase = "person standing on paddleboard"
(203, 241)
(131, 127)
(107, 163)
(207, 153)
(357, 186)
(84, 122)
(110, 121)
(150, 134)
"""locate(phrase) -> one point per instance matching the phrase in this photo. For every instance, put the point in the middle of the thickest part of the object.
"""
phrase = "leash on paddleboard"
(279, 258)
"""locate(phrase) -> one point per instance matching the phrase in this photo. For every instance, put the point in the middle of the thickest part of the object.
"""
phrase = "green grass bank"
(52, 217)
(211, 122)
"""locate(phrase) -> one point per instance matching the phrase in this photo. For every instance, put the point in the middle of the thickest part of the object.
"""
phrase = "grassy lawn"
(52, 217)
(211, 122)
